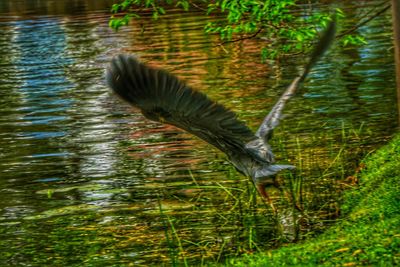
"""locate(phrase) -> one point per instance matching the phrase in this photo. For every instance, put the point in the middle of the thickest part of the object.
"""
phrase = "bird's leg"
(261, 189)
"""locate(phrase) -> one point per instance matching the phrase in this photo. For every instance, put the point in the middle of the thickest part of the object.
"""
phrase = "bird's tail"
(270, 170)
(273, 118)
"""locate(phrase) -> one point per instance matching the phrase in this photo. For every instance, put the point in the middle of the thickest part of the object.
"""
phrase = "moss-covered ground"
(368, 232)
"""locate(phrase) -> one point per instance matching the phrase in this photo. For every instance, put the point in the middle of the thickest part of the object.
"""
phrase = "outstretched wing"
(163, 97)
(273, 118)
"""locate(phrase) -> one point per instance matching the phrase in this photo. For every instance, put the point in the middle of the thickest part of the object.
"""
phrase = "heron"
(162, 97)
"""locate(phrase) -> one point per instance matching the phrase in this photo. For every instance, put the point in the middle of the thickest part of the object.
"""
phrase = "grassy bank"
(368, 232)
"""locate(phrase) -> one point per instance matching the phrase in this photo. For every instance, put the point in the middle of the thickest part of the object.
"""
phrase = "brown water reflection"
(86, 180)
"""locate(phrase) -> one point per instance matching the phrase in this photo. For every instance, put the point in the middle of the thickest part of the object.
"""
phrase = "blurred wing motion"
(163, 97)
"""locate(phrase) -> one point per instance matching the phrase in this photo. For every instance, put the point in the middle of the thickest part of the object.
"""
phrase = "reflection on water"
(84, 178)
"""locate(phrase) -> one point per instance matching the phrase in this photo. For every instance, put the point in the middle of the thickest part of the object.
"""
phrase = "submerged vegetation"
(369, 231)
(250, 226)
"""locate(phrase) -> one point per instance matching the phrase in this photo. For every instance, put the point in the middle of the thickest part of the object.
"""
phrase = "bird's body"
(164, 98)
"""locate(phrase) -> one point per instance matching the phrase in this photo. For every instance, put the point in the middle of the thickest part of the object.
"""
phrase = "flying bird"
(162, 97)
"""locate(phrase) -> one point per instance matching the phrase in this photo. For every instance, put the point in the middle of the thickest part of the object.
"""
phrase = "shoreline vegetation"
(368, 232)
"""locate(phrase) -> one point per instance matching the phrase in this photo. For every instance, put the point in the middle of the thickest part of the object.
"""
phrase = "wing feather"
(163, 97)
(273, 118)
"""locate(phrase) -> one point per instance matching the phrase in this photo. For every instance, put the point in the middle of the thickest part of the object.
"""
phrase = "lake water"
(86, 180)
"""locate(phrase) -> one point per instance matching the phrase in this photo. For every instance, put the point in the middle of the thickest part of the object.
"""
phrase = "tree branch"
(242, 38)
(364, 22)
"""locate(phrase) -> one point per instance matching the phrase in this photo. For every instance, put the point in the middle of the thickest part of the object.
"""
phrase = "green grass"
(368, 232)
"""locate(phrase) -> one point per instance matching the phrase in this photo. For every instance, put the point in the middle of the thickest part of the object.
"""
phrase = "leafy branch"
(270, 20)
(126, 10)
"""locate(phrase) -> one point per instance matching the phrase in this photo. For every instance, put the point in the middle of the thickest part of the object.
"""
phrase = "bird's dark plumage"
(163, 97)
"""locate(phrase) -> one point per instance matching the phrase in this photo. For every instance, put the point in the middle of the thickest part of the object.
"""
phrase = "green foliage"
(131, 9)
(353, 40)
(271, 20)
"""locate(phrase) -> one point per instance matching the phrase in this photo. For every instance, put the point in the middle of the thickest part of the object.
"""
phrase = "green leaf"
(161, 10)
(300, 36)
(183, 4)
(115, 8)
(264, 54)
(155, 15)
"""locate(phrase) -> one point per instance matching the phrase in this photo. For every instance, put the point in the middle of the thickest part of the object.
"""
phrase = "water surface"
(85, 179)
